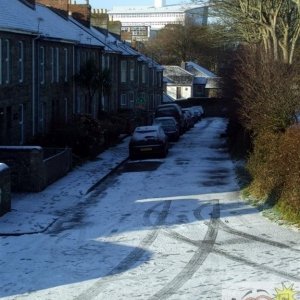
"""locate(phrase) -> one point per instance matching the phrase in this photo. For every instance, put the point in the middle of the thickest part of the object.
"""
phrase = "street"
(172, 228)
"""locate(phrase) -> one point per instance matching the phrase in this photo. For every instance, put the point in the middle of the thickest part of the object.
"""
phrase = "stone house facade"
(42, 47)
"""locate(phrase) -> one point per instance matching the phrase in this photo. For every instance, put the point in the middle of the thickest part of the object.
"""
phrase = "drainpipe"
(73, 83)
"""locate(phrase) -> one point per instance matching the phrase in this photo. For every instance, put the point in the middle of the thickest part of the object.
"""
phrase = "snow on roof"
(198, 70)
(176, 71)
(15, 15)
(213, 83)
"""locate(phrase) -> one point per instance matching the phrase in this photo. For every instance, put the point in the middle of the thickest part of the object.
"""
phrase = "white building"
(142, 21)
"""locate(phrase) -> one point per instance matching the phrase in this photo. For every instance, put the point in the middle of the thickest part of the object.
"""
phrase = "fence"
(30, 170)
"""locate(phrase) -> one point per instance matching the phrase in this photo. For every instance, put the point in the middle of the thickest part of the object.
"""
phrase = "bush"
(289, 164)
(84, 135)
(275, 168)
(261, 166)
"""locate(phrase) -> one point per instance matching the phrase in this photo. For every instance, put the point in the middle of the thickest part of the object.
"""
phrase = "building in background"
(141, 22)
(190, 80)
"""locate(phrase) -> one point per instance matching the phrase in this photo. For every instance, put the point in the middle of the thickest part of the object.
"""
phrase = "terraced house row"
(43, 45)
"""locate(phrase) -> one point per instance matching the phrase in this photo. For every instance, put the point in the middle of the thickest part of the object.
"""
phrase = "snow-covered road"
(172, 228)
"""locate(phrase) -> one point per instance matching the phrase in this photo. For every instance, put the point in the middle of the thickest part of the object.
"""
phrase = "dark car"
(148, 141)
(170, 127)
(198, 112)
(171, 110)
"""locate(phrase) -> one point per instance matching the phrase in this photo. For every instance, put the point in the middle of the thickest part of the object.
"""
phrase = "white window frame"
(21, 61)
(123, 100)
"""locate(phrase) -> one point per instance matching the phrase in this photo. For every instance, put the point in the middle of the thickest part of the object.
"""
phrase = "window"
(123, 100)
(21, 61)
(178, 92)
(123, 71)
(143, 74)
(159, 75)
(42, 65)
(105, 62)
(66, 64)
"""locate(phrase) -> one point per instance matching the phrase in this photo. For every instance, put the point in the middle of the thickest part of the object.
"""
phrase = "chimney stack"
(59, 6)
(82, 13)
(100, 19)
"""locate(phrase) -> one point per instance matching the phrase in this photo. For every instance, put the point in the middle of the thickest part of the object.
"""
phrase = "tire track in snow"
(239, 259)
(255, 238)
(226, 228)
(134, 255)
(204, 248)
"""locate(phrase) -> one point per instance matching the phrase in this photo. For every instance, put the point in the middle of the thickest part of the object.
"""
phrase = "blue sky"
(108, 4)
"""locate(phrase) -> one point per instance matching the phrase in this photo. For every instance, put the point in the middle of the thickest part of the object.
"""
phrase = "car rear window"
(145, 131)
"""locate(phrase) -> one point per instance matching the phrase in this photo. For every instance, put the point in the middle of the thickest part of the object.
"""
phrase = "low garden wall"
(30, 170)
(5, 196)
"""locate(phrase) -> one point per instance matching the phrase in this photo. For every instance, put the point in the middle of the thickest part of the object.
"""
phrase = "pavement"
(33, 213)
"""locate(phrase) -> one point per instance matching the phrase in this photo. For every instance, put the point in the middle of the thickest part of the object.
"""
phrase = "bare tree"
(274, 23)
(176, 43)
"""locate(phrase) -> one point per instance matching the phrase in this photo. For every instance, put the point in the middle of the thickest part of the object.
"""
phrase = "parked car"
(147, 141)
(198, 111)
(189, 116)
(171, 110)
(170, 127)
